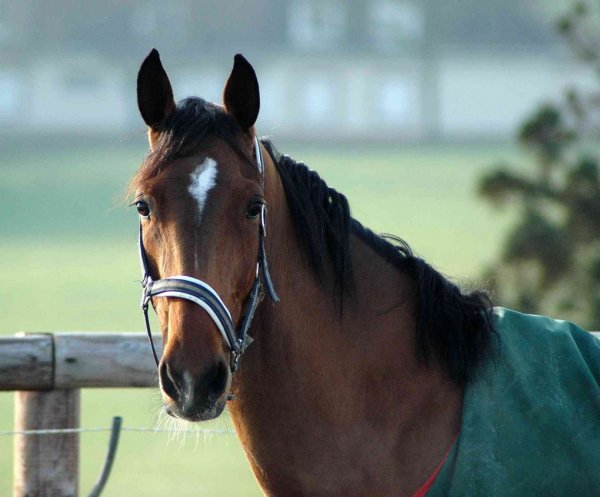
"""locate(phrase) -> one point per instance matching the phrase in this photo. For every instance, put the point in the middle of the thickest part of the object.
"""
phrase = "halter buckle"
(235, 360)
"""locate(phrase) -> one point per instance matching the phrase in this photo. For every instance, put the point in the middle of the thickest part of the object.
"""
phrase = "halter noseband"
(202, 294)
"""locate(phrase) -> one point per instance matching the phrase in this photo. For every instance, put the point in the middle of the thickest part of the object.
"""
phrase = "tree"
(551, 258)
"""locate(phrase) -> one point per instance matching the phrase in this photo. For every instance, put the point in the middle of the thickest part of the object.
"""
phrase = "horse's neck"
(325, 401)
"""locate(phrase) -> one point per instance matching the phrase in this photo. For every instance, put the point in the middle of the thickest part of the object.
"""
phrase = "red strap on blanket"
(422, 492)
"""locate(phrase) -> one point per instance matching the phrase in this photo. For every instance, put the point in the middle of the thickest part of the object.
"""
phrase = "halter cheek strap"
(202, 294)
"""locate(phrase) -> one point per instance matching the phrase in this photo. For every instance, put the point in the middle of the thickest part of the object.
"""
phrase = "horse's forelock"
(184, 133)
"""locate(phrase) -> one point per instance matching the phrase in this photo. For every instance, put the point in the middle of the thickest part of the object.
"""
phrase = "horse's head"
(199, 194)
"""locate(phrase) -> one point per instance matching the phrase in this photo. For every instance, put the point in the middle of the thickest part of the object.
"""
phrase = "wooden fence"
(47, 372)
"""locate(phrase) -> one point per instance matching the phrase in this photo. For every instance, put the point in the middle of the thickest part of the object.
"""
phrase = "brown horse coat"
(353, 385)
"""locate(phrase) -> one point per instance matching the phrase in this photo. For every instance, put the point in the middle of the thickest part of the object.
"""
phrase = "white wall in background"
(317, 98)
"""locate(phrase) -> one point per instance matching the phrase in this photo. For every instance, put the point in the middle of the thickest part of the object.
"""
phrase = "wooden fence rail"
(76, 360)
(46, 371)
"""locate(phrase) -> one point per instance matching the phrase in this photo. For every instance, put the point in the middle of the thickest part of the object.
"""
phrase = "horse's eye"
(254, 210)
(143, 208)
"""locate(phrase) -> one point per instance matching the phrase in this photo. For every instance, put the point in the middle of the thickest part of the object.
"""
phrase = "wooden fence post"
(46, 465)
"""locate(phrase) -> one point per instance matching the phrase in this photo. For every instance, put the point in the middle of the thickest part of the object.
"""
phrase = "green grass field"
(68, 262)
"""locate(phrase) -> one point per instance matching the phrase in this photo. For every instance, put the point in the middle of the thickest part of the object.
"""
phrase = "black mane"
(452, 327)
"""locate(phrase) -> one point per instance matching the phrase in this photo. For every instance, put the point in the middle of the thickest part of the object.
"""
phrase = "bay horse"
(344, 359)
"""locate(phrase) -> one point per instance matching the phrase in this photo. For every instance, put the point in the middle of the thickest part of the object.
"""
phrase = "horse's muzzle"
(198, 398)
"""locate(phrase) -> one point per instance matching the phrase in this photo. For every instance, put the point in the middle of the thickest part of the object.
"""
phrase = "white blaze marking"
(203, 179)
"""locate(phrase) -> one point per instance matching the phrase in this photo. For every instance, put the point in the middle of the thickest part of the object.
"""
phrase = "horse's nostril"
(215, 381)
(168, 380)
(221, 375)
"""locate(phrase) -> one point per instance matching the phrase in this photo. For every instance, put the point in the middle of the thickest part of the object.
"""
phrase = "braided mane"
(452, 326)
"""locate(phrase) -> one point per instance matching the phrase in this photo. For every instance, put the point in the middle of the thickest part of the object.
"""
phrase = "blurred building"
(328, 69)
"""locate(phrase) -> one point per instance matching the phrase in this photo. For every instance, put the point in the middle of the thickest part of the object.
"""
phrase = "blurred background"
(468, 128)
(374, 70)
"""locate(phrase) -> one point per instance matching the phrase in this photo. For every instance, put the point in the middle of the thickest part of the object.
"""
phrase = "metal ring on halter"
(202, 294)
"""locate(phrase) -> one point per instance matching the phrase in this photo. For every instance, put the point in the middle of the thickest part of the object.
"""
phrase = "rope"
(61, 431)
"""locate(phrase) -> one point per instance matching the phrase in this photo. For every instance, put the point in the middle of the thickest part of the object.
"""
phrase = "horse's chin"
(195, 414)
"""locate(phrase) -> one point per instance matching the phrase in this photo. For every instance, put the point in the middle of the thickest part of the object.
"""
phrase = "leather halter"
(202, 294)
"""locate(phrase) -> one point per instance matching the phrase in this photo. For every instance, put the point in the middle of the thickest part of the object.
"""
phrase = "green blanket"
(531, 419)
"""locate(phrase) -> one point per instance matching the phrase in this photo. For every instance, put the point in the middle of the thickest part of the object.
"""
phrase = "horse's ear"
(154, 93)
(241, 95)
